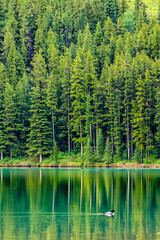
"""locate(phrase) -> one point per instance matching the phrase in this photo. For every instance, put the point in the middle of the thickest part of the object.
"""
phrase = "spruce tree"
(90, 78)
(111, 11)
(2, 110)
(123, 7)
(157, 118)
(22, 113)
(100, 147)
(138, 116)
(78, 96)
(110, 108)
(53, 86)
(10, 120)
(66, 73)
(88, 152)
(107, 158)
(109, 30)
(39, 136)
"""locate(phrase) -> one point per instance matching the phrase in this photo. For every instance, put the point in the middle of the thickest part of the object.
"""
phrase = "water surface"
(68, 204)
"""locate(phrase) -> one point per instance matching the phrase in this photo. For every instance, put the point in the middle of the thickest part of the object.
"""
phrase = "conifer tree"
(157, 117)
(99, 50)
(39, 141)
(109, 30)
(138, 116)
(78, 96)
(148, 113)
(98, 35)
(2, 110)
(22, 113)
(10, 120)
(123, 7)
(158, 12)
(52, 88)
(137, 4)
(66, 91)
(90, 78)
(111, 11)
(88, 41)
(100, 147)
(128, 90)
(107, 158)
(110, 108)
(88, 152)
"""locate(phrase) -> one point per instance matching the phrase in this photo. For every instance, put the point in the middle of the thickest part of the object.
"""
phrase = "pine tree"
(158, 12)
(155, 41)
(53, 86)
(66, 92)
(107, 158)
(120, 27)
(138, 116)
(100, 147)
(148, 113)
(39, 141)
(23, 30)
(88, 153)
(110, 107)
(2, 110)
(123, 7)
(137, 4)
(99, 50)
(88, 41)
(128, 91)
(78, 96)
(157, 118)
(109, 31)
(111, 11)
(2, 24)
(22, 113)
(98, 35)
(10, 120)
(90, 78)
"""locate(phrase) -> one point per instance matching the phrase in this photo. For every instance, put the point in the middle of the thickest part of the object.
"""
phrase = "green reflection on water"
(68, 204)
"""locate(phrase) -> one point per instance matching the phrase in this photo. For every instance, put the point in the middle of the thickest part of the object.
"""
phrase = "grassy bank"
(76, 161)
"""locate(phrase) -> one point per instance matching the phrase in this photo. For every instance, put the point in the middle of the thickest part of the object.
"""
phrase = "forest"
(80, 77)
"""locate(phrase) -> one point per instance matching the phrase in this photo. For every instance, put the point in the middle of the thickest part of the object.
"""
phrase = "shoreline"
(109, 166)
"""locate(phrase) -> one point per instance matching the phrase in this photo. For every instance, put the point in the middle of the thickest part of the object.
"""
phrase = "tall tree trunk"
(94, 141)
(81, 140)
(10, 154)
(141, 156)
(131, 144)
(97, 137)
(53, 128)
(69, 131)
(40, 158)
(1, 155)
(112, 145)
(128, 145)
(90, 130)
(146, 153)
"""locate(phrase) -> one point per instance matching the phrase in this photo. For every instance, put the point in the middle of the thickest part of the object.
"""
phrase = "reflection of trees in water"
(70, 198)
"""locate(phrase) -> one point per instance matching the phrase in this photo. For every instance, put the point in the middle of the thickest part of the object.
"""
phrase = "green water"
(68, 204)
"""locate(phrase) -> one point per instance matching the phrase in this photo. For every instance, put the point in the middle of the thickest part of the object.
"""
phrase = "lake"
(69, 204)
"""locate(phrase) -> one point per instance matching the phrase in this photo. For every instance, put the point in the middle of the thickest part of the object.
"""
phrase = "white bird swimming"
(109, 214)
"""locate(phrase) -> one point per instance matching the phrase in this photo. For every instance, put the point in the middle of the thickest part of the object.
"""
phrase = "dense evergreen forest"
(79, 76)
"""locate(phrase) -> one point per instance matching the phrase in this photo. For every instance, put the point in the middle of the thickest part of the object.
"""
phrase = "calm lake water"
(68, 204)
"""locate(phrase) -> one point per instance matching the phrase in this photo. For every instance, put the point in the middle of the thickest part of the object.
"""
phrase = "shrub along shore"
(75, 161)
